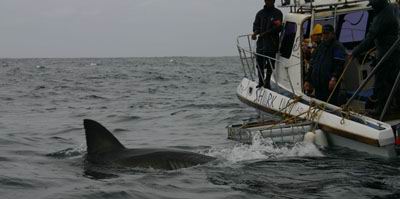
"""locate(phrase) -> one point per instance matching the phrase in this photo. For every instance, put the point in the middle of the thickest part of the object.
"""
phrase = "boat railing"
(395, 46)
(309, 6)
(248, 54)
(247, 57)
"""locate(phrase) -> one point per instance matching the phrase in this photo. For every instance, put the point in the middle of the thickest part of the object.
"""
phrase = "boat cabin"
(346, 126)
(351, 20)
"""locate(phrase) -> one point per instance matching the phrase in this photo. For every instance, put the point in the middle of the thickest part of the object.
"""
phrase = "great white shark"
(103, 147)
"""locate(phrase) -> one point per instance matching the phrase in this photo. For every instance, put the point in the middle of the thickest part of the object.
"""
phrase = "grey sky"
(123, 28)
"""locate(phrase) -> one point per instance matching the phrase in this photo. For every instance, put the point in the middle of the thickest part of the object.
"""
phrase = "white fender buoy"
(320, 138)
(309, 137)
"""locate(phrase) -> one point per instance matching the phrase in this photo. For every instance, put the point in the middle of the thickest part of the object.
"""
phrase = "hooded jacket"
(268, 24)
(383, 31)
(326, 62)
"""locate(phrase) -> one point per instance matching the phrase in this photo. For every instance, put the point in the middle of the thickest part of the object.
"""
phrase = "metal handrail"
(243, 54)
(254, 53)
(378, 66)
(310, 5)
(394, 88)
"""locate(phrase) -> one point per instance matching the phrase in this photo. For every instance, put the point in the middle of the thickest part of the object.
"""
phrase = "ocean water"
(171, 102)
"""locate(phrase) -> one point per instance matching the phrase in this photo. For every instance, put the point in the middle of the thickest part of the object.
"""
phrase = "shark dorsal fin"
(99, 139)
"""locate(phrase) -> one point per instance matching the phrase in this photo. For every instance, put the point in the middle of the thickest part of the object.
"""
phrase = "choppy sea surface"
(170, 102)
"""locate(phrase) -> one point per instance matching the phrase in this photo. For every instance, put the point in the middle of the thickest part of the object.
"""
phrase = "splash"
(265, 148)
(69, 152)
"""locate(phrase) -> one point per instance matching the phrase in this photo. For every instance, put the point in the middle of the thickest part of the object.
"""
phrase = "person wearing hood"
(266, 28)
(309, 45)
(382, 34)
(326, 65)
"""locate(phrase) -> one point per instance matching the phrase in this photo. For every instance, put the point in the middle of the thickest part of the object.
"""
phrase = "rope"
(314, 110)
(345, 112)
(295, 100)
(345, 115)
(311, 114)
(366, 55)
(340, 78)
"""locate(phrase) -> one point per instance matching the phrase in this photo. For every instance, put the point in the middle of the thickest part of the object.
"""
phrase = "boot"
(267, 82)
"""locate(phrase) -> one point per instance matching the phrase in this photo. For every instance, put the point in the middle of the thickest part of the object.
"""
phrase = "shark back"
(168, 159)
(99, 140)
(103, 147)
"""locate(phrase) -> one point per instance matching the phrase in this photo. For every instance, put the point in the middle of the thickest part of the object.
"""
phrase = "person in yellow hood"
(308, 47)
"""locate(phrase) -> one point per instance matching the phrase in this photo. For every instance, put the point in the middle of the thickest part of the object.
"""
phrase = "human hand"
(307, 87)
(332, 84)
(305, 47)
(254, 36)
(350, 55)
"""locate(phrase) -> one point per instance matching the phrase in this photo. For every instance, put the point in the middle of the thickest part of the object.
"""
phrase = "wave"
(66, 131)
(19, 183)
(124, 118)
(7, 98)
(265, 149)
(3, 159)
(68, 153)
(88, 97)
(211, 106)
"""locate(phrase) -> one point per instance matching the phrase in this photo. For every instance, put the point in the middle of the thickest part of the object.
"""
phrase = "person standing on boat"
(267, 26)
(326, 65)
(383, 33)
(308, 48)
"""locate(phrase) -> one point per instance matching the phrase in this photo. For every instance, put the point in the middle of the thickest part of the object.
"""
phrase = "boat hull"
(356, 132)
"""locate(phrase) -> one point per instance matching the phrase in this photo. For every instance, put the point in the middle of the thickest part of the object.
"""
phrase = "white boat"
(342, 127)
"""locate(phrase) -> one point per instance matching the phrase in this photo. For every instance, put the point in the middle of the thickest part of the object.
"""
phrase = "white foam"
(81, 149)
(264, 148)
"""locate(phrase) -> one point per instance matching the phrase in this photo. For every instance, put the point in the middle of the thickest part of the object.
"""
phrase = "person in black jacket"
(383, 33)
(267, 26)
(326, 66)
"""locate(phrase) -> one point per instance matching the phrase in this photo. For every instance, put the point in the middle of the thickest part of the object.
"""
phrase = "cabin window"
(306, 29)
(353, 28)
(289, 36)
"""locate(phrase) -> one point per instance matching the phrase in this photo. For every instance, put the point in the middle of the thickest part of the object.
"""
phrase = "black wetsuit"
(268, 24)
(383, 32)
